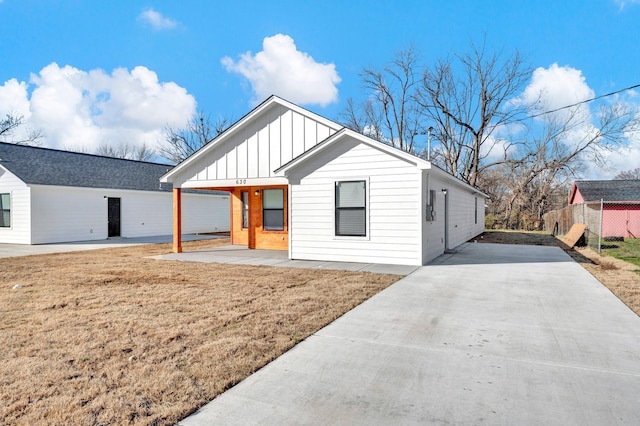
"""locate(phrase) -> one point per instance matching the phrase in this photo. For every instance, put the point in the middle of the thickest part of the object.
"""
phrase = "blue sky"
(88, 73)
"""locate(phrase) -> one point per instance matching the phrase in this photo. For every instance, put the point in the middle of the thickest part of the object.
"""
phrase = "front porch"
(240, 255)
(258, 216)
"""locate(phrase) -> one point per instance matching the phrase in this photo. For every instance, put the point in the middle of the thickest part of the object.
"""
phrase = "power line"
(577, 103)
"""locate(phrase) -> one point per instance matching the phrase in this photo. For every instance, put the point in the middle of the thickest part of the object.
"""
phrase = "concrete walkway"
(241, 255)
(495, 334)
(14, 250)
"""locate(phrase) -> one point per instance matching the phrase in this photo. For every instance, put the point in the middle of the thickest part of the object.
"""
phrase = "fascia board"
(459, 182)
(327, 143)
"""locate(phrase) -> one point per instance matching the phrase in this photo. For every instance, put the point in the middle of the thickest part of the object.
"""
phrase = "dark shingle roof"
(44, 166)
(609, 190)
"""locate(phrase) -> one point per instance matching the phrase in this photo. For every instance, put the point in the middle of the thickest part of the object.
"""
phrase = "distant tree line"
(8, 126)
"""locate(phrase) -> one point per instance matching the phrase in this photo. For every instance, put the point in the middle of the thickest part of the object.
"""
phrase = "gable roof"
(334, 139)
(331, 140)
(238, 125)
(43, 166)
(607, 190)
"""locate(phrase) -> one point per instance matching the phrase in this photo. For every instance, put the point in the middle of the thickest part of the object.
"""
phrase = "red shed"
(621, 204)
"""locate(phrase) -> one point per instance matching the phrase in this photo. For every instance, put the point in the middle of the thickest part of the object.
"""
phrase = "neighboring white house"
(302, 183)
(49, 196)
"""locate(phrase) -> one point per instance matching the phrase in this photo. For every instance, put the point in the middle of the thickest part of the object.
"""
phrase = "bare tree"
(180, 143)
(10, 123)
(628, 174)
(127, 151)
(473, 100)
(484, 133)
(551, 157)
(467, 99)
(390, 113)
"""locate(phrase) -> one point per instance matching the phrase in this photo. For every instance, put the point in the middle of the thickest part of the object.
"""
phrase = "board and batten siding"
(63, 214)
(258, 148)
(20, 230)
(393, 207)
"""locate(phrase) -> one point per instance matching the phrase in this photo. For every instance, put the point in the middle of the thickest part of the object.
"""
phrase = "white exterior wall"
(433, 231)
(20, 230)
(462, 226)
(393, 207)
(254, 151)
(62, 214)
(203, 213)
(144, 214)
(463, 222)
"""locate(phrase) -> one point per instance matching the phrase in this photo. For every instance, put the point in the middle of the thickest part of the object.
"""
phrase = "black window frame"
(3, 210)
(475, 214)
(268, 210)
(338, 209)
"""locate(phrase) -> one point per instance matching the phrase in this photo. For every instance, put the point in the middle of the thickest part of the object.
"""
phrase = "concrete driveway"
(495, 334)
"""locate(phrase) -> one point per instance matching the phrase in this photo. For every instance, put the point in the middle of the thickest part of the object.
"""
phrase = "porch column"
(177, 220)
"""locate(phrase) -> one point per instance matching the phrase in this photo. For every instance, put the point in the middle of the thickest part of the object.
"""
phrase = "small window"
(273, 209)
(476, 210)
(244, 197)
(351, 209)
(5, 210)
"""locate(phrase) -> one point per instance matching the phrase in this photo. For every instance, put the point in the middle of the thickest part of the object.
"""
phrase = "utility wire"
(577, 103)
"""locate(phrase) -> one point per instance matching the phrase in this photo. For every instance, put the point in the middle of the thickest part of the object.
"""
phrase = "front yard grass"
(627, 250)
(110, 337)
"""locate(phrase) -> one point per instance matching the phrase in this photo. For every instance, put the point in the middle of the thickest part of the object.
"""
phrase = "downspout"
(446, 219)
(424, 194)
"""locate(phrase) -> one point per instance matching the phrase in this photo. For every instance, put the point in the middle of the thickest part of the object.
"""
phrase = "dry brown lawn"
(109, 337)
(617, 275)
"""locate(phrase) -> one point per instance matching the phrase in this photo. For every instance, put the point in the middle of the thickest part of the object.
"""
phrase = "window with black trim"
(351, 208)
(5, 210)
(273, 209)
(244, 197)
(475, 214)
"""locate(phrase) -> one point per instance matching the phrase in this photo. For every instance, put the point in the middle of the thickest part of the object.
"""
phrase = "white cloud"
(157, 20)
(623, 3)
(556, 87)
(281, 69)
(14, 101)
(13, 98)
(83, 110)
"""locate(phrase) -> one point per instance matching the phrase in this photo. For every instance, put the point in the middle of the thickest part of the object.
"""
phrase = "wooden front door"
(113, 217)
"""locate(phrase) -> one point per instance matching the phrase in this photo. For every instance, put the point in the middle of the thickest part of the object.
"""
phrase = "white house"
(302, 183)
(49, 196)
